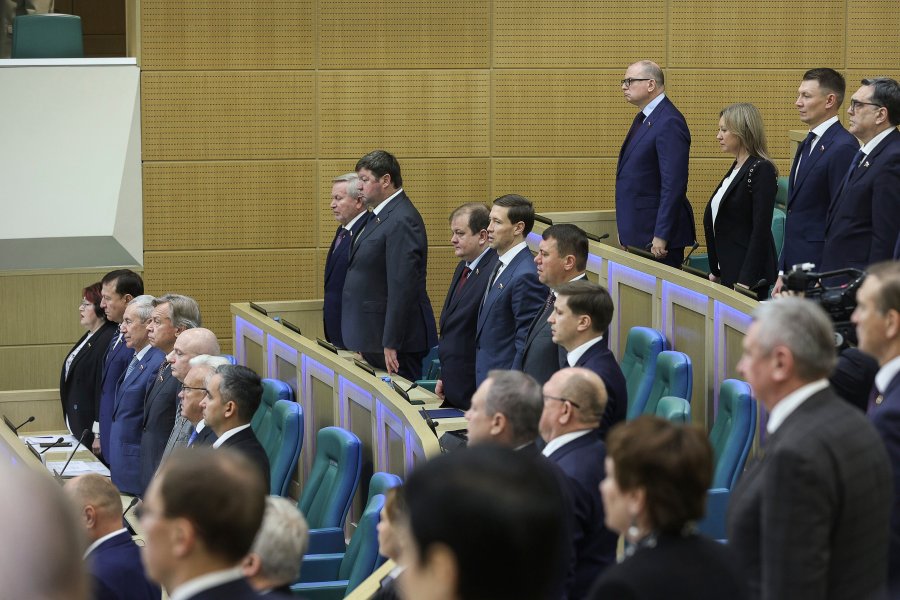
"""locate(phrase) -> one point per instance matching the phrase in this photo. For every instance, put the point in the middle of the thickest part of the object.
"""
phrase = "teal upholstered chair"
(283, 444)
(778, 217)
(47, 36)
(381, 482)
(781, 195)
(273, 391)
(674, 409)
(674, 376)
(639, 365)
(431, 370)
(332, 576)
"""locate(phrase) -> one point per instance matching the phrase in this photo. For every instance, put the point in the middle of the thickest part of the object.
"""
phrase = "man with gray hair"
(810, 518)
(273, 562)
(505, 410)
(349, 209)
(196, 388)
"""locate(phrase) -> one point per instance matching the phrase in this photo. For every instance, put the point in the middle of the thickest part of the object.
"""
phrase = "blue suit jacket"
(335, 273)
(864, 219)
(504, 318)
(118, 573)
(238, 589)
(594, 545)
(886, 419)
(114, 364)
(159, 418)
(127, 419)
(651, 182)
(459, 321)
(810, 191)
(601, 361)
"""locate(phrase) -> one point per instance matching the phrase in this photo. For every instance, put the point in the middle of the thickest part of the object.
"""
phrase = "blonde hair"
(745, 121)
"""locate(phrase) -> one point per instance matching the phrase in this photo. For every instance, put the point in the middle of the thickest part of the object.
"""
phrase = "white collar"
(820, 129)
(887, 373)
(873, 143)
(193, 587)
(99, 541)
(200, 425)
(558, 442)
(573, 356)
(792, 402)
(507, 256)
(477, 260)
(380, 207)
(228, 434)
(653, 104)
(353, 221)
(143, 352)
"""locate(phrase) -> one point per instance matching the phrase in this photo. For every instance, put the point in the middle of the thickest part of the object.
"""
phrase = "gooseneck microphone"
(59, 475)
(27, 421)
(688, 257)
(58, 441)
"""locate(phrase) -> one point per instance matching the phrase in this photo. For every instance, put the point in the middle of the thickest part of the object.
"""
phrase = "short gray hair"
(143, 305)
(183, 310)
(212, 362)
(281, 542)
(803, 327)
(519, 398)
(352, 180)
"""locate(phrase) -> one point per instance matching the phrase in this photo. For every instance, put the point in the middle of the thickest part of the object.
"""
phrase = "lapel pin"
(822, 148)
(476, 270)
(500, 286)
(378, 219)
(866, 164)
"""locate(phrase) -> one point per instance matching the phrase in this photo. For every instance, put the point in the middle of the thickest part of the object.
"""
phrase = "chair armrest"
(713, 525)
(326, 541)
(327, 590)
(319, 568)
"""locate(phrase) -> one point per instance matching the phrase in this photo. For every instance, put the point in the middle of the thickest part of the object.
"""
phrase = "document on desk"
(68, 440)
(78, 467)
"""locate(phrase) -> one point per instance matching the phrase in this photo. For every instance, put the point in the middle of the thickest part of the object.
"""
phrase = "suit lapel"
(329, 261)
(452, 297)
(808, 162)
(641, 131)
(373, 221)
(497, 289)
(741, 175)
(858, 174)
(158, 386)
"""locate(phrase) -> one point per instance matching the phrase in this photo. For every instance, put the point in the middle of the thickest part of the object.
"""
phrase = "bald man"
(114, 560)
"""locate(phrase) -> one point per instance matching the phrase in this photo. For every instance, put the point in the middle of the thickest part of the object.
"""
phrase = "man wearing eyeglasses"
(652, 208)
(863, 221)
(574, 401)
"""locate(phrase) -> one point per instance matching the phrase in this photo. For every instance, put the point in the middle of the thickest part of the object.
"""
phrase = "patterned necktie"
(462, 279)
(340, 238)
(192, 438)
(131, 366)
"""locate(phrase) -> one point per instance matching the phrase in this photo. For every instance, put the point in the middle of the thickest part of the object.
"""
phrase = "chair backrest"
(778, 217)
(673, 377)
(47, 36)
(732, 433)
(273, 391)
(381, 482)
(362, 553)
(283, 445)
(674, 409)
(431, 365)
(781, 193)
(333, 479)
(639, 364)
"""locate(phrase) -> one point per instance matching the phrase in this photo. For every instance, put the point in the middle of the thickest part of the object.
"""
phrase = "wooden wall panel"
(557, 184)
(873, 35)
(33, 367)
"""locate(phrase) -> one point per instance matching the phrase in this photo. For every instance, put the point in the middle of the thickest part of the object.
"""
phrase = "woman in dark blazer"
(657, 475)
(738, 217)
(79, 380)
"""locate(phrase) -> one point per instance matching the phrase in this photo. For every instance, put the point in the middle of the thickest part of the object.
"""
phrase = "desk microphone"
(688, 257)
(59, 476)
(15, 430)
(134, 501)
(596, 238)
(59, 440)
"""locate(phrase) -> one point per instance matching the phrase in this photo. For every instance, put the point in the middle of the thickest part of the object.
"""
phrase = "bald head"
(190, 343)
(99, 503)
(574, 400)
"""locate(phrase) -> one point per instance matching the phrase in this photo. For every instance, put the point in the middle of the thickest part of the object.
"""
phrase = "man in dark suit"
(118, 288)
(561, 257)
(273, 562)
(864, 219)
(574, 401)
(652, 208)
(514, 295)
(386, 313)
(233, 395)
(877, 320)
(113, 559)
(200, 516)
(809, 519)
(459, 317)
(128, 408)
(506, 409)
(579, 323)
(172, 315)
(819, 167)
(349, 210)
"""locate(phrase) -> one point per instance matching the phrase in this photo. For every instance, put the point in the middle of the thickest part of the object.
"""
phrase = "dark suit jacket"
(385, 304)
(114, 364)
(740, 245)
(245, 441)
(864, 219)
(118, 573)
(207, 437)
(503, 320)
(692, 567)
(238, 589)
(459, 320)
(80, 390)
(127, 418)
(159, 417)
(886, 419)
(651, 182)
(808, 520)
(542, 357)
(594, 545)
(601, 361)
(335, 273)
(810, 191)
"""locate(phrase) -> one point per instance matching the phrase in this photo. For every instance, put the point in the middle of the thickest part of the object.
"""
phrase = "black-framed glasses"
(629, 80)
(196, 389)
(546, 397)
(854, 104)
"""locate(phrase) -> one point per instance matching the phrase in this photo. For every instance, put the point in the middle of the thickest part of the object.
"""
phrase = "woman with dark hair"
(79, 380)
(393, 528)
(657, 476)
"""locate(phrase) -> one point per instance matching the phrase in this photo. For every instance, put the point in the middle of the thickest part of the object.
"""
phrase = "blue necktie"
(192, 438)
(803, 152)
(857, 158)
(131, 366)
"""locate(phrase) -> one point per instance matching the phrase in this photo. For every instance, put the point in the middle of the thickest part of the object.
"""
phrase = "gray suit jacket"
(810, 518)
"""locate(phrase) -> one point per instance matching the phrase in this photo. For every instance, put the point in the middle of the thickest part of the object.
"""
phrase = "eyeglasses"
(855, 104)
(546, 397)
(628, 81)
(187, 387)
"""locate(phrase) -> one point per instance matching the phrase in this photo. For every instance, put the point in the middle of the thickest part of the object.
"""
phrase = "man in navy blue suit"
(514, 295)
(459, 317)
(652, 208)
(113, 559)
(200, 516)
(349, 210)
(128, 408)
(863, 220)
(118, 288)
(818, 169)
(574, 401)
(579, 323)
(877, 320)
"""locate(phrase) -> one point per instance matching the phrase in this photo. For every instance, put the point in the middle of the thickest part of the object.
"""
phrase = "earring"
(633, 532)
